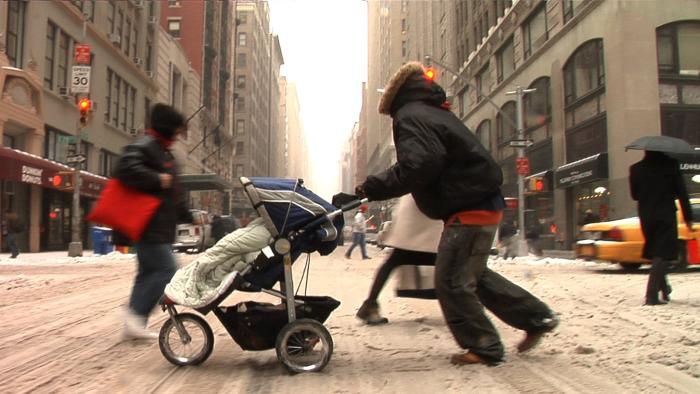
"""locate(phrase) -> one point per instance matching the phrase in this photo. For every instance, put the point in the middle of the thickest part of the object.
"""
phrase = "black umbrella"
(662, 143)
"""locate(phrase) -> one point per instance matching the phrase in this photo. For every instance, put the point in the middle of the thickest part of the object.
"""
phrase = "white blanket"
(203, 280)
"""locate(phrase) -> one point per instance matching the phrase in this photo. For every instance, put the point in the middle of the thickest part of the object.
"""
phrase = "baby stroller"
(298, 222)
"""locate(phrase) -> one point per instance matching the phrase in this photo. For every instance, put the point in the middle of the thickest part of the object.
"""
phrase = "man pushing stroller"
(453, 178)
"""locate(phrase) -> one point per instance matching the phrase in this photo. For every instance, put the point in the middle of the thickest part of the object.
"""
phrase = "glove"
(360, 191)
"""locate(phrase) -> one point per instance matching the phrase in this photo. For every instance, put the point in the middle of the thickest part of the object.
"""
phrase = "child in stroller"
(292, 221)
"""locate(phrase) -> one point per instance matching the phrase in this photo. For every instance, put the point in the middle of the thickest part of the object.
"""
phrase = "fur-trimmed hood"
(409, 84)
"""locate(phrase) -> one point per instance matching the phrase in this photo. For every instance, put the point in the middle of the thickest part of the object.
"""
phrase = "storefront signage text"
(31, 175)
(585, 170)
(575, 178)
(690, 166)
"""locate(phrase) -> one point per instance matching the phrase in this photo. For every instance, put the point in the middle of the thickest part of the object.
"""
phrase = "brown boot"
(466, 358)
(369, 313)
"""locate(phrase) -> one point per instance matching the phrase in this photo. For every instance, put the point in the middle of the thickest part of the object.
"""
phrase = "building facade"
(38, 113)
(605, 73)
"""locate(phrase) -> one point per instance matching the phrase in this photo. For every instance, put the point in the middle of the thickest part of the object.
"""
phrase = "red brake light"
(614, 234)
(196, 230)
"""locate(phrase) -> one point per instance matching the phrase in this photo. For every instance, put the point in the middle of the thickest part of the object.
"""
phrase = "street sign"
(521, 143)
(522, 164)
(66, 139)
(75, 159)
(82, 54)
(80, 79)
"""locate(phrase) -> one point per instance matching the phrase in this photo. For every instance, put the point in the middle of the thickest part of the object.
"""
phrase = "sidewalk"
(61, 257)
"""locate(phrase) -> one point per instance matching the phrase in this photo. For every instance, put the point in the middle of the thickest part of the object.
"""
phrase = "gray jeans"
(464, 286)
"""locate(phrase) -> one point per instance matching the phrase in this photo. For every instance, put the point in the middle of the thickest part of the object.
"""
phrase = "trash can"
(102, 240)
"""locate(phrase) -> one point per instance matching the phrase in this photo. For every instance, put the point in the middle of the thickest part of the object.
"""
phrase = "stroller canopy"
(286, 205)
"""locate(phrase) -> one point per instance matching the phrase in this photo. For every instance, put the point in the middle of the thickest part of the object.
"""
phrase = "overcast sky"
(324, 44)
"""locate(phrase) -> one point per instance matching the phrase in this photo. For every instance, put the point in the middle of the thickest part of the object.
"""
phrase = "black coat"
(655, 183)
(439, 160)
(140, 167)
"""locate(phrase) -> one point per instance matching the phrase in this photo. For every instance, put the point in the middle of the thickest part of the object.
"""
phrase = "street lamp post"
(519, 125)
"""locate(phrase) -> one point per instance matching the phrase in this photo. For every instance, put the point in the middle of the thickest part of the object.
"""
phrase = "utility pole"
(519, 92)
(519, 124)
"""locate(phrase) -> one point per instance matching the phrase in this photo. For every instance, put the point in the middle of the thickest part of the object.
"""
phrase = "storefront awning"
(195, 182)
(20, 166)
(582, 171)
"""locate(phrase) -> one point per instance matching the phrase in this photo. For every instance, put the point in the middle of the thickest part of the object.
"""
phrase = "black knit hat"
(166, 119)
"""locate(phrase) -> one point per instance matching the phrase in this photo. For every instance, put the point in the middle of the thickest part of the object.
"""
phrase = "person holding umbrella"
(655, 183)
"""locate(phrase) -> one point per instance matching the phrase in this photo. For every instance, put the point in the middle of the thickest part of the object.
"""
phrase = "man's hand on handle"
(166, 181)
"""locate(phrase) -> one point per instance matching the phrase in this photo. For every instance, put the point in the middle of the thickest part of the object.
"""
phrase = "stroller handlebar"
(330, 215)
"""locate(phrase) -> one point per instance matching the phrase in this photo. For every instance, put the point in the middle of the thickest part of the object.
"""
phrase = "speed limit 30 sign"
(80, 79)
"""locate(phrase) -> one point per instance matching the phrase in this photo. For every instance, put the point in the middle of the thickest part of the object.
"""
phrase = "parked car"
(194, 238)
(383, 233)
(223, 225)
(621, 241)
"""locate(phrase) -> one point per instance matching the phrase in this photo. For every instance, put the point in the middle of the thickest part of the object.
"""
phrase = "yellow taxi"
(621, 241)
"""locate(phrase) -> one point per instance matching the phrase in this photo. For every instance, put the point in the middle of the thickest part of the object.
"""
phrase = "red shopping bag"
(124, 209)
(693, 251)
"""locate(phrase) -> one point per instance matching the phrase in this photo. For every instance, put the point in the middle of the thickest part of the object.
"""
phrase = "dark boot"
(533, 338)
(369, 313)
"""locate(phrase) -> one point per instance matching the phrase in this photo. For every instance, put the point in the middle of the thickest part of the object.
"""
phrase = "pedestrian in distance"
(359, 229)
(589, 217)
(655, 183)
(14, 228)
(414, 238)
(453, 178)
(507, 239)
(147, 165)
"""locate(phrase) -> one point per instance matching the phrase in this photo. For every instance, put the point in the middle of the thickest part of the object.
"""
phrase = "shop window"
(535, 31)
(14, 34)
(483, 133)
(680, 122)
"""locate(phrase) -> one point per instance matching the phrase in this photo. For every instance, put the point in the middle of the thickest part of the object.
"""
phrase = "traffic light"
(63, 180)
(429, 73)
(84, 106)
(537, 184)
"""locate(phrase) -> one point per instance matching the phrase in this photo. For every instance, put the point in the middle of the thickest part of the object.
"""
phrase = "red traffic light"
(57, 180)
(84, 106)
(539, 185)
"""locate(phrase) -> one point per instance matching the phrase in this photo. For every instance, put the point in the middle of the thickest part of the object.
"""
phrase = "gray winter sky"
(324, 44)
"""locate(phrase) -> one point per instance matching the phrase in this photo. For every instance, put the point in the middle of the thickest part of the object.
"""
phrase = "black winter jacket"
(139, 167)
(439, 160)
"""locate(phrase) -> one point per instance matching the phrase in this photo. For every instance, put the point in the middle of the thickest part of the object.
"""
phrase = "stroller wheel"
(304, 345)
(189, 344)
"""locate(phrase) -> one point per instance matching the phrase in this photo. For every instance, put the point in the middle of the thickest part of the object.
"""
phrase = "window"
(149, 54)
(404, 48)
(537, 105)
(241, 60)
(506, 60)
(86, 7)
(505, 127)
(570, 8)
(175, 87)
(483, 133)
(106, 163)
(240, 82)
(239, 170)
(174, 27)
(49, 55)
(678, 48)
(173, 3)
(242, 18)
(463, 102)
(119, 27)
(240, 104)
(14, 34)
(120, 102)
(239, 149)
(134, 41)
(127, 37)
(584, 71)
(63, 56)
(584, 112)
(110, 16)
(242, 39)
(56, 146)
(681, 123)
(403, 25)
(240, 127)
(482, 83)
(147, 111)
(535, 31)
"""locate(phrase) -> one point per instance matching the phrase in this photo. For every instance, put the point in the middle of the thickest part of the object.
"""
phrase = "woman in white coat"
(415, 239)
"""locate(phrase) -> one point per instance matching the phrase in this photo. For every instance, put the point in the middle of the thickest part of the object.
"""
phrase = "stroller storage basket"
(255, 325)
